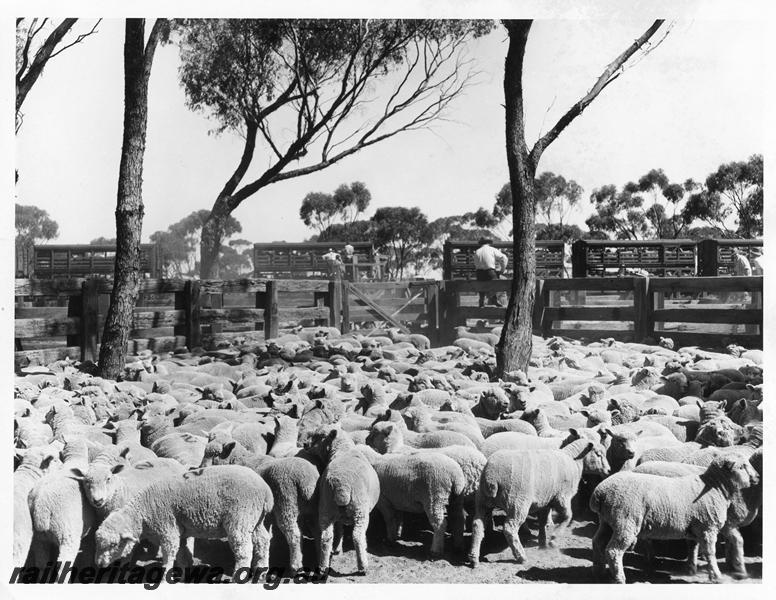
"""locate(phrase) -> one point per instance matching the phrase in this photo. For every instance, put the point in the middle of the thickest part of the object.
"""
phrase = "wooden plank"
(302, 285)
(143, 319)
(590, 313)
(191, 313)
(47, 287)
(707, 284)
(42, 312)
(384, 315)
(364, 313)
(239, 286)
(271, 310)
(31, 328)
(297, 314)
(709, 315)
(44, 357)
(212, 340)
(590, 283)
(208, 316)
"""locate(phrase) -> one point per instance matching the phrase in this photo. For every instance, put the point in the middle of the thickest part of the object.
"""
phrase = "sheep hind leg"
(438, 522)
(708, 547)
(293, 536)
(692, 557)
(339, 534)
(243, 549)
(360, 524)
(542, 517)
(262, 536)
(734, 553)
(392, 525)
(600, 539)
(457, 519)
(325, 538)
(615, 550)
(563, 508)
(511, 529)
(482, 515)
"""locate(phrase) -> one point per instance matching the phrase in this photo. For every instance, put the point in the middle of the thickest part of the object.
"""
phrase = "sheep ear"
(169, 411)
(332, 434)
(606, 431)
(318, 404)
(699, 403)
(44, 464)
(584, 412)
(77, 473)
(749, 386)
(574, 432)
(723, 405)
(118, 468)
(639, 432)
(124, 452)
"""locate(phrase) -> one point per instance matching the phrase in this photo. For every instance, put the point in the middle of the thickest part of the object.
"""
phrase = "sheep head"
(494, 401)
(719, 431)
(98, 482)
(384, 437)
(115, 540)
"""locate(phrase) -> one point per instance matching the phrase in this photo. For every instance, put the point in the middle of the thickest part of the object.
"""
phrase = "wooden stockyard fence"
(64, 317)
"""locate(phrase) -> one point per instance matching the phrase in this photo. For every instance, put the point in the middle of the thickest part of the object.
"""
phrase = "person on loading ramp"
(489, 263)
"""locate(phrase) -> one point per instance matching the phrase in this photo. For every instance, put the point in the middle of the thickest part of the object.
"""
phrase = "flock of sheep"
(313, 431)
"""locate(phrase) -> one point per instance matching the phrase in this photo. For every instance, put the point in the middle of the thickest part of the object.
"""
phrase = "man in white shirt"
(334, 263)
(489, 263)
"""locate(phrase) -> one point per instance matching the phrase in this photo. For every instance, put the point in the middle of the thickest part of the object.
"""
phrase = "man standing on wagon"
(489, 263)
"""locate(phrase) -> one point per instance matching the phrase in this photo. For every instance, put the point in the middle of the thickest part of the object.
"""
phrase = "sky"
(688, 106)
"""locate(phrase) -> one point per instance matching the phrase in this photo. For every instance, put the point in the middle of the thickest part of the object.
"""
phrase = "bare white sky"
(687, 107)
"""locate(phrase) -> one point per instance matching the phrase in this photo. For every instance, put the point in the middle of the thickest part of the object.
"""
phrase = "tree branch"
(611, 73)
(25, 82)
(77, 40)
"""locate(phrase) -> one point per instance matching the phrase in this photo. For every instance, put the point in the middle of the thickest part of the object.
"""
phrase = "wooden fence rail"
(173, 313)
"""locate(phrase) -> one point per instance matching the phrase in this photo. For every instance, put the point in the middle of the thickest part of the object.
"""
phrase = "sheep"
(626, 445)
(423, 482)
(108, 487)
(222, 501)
(60, 514)
(538, 419)
(493, 402)
(34, 465)
(742, 511)
(631, 506)
(387, 434)
(419, 419)
(719, 431)
(348, 491)
(683, 430)
(537, 481)
(293, 482)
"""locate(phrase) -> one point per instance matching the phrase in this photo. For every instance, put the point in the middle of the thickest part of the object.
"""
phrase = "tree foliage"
(403, 232)
(731, 202)
(33, 225)
(179, 244)
(320, 210)
(312, 92)
(103, 241)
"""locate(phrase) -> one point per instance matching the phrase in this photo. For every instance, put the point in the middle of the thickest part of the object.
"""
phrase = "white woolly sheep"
(348, 491)
(521, 483)
(637, 505)
(228, 501)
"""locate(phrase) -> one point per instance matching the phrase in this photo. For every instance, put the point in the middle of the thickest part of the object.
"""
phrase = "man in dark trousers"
(489, 263)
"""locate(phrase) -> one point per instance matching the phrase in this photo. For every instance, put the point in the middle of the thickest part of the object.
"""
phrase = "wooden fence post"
(188, 301)
(335, 302)
(642, 306)
(345, 298)
(448, 310)
(538, 312)
(432, 310)
(90, 320)
(271, 310)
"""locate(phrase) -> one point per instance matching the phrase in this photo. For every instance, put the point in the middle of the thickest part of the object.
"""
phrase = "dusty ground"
(407, 561)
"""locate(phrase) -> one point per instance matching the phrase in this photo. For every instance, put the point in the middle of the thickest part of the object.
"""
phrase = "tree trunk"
(129, 205)
(212, 236)
(514, 348)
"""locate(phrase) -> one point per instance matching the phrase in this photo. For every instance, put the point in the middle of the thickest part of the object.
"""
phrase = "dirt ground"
(569, 562)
